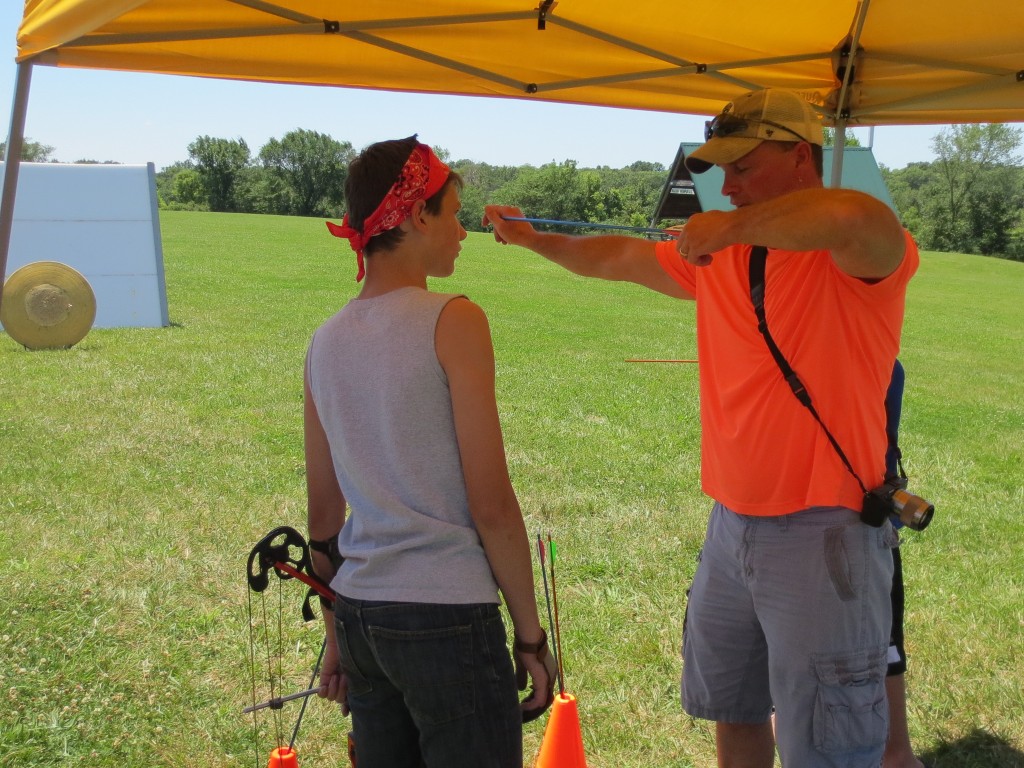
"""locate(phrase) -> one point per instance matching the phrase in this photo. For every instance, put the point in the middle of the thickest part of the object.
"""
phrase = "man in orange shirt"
(789, 608)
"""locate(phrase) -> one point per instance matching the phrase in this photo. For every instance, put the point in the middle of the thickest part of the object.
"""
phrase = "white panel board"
(103, 221)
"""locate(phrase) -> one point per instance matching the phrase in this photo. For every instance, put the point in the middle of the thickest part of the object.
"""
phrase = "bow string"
(284, 553)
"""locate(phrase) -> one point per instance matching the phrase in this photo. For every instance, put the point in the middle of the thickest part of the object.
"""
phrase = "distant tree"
(971, 199)
(189, 191)
(556, 191)
(1015, 250)
(994, 211)
(31, 151)
(632, 193)
(563, 191)
(261, 190)
(484, 177)
(980, 199)
(481, 180)
(913, 190)
(472, 211)
(165, 179)
(219, 163)
(830, 138)
(312, 167)
(643, 166)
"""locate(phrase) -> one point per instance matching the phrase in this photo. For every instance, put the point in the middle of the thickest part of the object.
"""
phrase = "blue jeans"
(429, 685)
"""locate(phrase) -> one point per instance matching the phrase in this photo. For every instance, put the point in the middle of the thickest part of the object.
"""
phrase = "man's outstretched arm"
(607, 257)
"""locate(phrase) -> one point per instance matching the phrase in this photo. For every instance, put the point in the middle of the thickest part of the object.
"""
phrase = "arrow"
(591, 225)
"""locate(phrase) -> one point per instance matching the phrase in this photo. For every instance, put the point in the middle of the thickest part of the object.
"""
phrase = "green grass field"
(138, 469)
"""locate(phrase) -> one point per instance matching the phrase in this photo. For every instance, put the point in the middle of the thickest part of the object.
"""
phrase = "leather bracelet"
(535, 648)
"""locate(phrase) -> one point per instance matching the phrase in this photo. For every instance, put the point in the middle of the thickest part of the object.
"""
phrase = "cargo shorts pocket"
(850, 709)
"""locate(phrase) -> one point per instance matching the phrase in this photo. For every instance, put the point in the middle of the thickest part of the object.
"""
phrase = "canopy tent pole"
(12, 163)
(837, 153)
(847, 63)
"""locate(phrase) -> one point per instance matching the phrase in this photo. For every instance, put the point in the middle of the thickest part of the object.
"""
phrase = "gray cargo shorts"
(792, 614)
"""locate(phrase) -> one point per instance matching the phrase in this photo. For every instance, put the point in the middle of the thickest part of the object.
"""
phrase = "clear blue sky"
(136, 118)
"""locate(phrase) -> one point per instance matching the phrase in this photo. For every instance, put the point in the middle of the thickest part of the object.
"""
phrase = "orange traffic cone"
(562, 745)
(283, 757)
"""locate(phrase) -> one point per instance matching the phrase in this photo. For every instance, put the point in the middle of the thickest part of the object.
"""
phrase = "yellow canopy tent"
(872, 62)
(915, 61)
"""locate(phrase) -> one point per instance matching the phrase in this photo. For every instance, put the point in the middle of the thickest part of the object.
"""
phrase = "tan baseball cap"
(772, 114)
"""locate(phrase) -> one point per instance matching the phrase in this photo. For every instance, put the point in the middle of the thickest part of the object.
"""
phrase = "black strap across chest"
(758, 258)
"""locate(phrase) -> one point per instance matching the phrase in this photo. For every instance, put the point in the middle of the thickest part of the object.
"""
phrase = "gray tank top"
(383, 399)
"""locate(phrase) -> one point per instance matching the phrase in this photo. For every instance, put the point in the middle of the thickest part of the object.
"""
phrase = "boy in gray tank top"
(406, 474)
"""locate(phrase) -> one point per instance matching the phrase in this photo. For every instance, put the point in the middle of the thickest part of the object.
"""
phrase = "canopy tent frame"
(306, 24)
(609, 60)
(12, 165)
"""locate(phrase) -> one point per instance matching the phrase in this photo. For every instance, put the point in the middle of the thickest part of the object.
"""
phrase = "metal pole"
(12, 163)
(842, 104)
(837, 153)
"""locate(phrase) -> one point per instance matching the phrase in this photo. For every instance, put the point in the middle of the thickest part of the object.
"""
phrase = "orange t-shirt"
(762, 452)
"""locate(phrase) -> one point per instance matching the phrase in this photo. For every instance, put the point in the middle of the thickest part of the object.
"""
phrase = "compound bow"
(285, 553)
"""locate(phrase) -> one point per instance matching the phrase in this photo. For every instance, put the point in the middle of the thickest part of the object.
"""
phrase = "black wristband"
(323, 546)
(328, 547)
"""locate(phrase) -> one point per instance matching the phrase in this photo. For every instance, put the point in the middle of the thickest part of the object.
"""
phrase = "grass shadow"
(977, 749)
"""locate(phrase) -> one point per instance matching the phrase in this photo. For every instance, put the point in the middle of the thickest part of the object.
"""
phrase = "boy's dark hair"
(371, 175)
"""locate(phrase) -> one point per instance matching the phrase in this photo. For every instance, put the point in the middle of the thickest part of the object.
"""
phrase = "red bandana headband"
(420, 179)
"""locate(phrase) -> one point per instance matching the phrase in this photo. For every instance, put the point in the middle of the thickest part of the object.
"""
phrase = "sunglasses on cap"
(729, 125)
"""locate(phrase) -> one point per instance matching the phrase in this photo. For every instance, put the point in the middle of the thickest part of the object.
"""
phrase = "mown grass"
(138, 469)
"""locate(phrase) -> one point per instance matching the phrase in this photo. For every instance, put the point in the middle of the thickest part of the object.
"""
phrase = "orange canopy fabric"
(873, 62)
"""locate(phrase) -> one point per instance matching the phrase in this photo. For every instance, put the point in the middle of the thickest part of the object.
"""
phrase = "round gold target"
(47, 305)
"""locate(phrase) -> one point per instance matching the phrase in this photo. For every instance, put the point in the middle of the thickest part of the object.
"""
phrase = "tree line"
(969, 200)
(304, 172)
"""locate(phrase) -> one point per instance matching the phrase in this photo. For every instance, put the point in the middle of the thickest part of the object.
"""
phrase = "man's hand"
(507, 232)
(702, 235)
